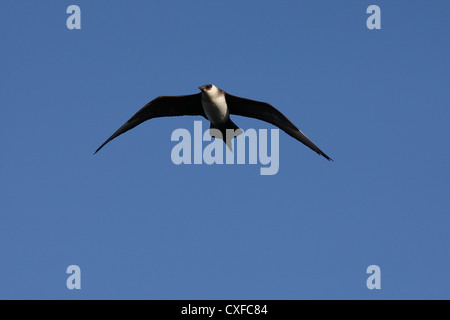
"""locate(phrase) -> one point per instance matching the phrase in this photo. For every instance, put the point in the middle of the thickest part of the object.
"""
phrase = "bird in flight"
(216, 106)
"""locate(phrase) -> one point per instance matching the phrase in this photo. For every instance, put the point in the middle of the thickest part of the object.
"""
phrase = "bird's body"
(215, 105)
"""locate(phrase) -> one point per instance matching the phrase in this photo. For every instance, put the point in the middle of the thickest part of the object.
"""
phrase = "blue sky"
(140, 227)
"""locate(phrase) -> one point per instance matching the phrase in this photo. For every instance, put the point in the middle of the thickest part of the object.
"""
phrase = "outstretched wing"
(165, 106)
(266, 112)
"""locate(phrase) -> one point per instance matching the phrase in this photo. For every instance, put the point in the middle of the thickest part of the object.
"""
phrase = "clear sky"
(140, 227)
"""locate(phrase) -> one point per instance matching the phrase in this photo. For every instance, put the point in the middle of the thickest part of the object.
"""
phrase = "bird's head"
(206, 87)
(209, 90)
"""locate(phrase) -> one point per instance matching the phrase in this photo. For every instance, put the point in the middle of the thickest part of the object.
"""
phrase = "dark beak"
(201, 88)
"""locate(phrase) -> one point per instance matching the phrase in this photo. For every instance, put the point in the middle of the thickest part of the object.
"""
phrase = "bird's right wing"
(164, 106)
(266, 112)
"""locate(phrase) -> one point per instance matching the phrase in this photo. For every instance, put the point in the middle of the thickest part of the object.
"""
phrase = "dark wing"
(265, 112)
(168, 106)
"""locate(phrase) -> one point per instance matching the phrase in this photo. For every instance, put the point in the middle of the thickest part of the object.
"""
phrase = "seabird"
(216, 106)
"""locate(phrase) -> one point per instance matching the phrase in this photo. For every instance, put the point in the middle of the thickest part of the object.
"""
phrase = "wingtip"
(326, 157)
(97, 150)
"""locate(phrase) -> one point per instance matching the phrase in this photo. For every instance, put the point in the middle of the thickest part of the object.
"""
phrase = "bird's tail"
(226, 132)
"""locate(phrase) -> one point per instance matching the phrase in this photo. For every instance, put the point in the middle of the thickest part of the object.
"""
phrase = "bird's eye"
(208, 86)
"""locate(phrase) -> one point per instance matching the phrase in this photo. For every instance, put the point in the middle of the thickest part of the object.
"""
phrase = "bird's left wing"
(266, 112)
(164, 106)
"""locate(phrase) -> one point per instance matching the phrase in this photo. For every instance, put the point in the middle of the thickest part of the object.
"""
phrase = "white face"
(210, 90)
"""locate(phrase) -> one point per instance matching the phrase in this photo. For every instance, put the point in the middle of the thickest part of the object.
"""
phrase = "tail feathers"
(226, 132)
